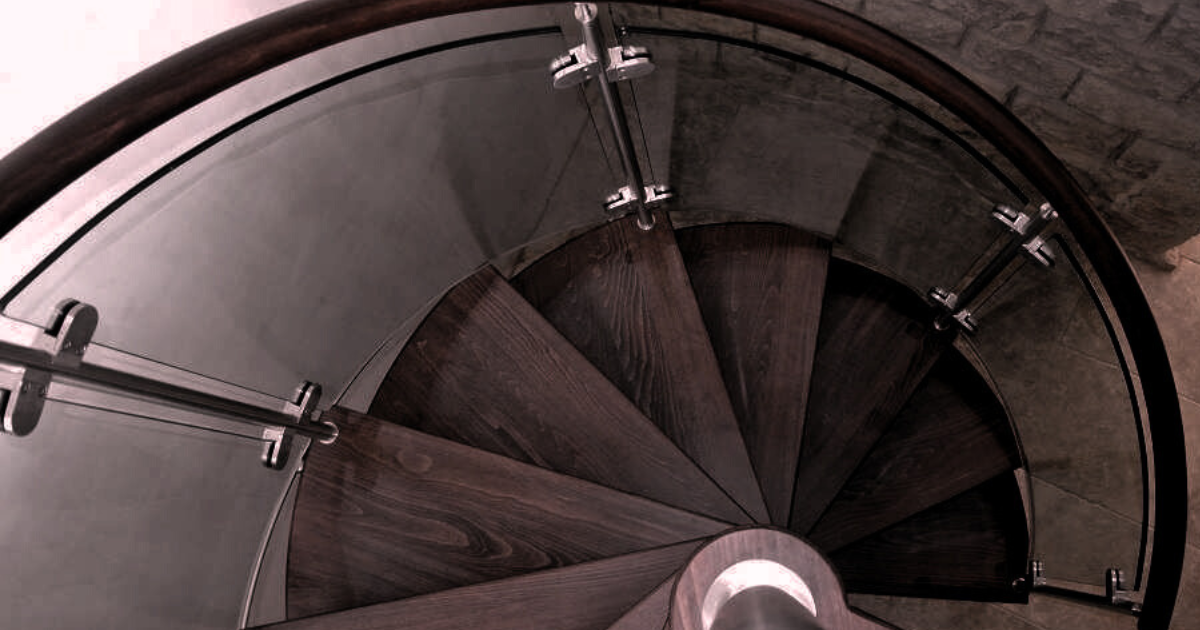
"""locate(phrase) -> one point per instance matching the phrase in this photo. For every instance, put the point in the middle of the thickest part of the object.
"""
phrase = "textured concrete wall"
(1110, 85)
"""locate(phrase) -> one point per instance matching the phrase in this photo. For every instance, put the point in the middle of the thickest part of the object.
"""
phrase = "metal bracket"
(69, 332)
(1039, 250)
(304, 402)
(277, 441)
(1115, 590)
(949, 301)
(622, 202)
(594, 58)
(66, 338)
(1037, 573)
(1020, 222)
(579, 64)
(22, 396)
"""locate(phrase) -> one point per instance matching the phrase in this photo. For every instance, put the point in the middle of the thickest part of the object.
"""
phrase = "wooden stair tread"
(760, 288)
(623, 298)
(970, 547)
(651, 613)
(588, 596)
(485, 369)
(875, 345)
(387, 513)
(951, 436)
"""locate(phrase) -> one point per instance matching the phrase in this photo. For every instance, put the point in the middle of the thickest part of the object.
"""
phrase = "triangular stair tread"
(622, 296)
(952, 435)
(387, 512)
(485, 369)
(760, 288)
(973, 546)
(588, 596)
(875, 345)
(652, 612)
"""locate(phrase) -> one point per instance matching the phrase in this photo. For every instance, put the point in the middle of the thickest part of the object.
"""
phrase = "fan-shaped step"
(587, 596)
(623, 298)
(485, 369)
(875, 345)
(652, 612)
(973, 546)
(387, 513)
(952, 435)
(760, 288)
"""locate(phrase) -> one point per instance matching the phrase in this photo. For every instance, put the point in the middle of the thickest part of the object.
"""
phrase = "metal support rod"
(244, 413)
(594, 40)
(997, 264)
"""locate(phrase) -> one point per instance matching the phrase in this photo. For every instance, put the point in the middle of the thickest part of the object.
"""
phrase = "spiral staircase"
(562, 441)
(610, 426)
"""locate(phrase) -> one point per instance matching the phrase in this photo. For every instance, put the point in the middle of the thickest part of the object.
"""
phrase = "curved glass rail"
(306, 237)
(115, 518)
(304, 242)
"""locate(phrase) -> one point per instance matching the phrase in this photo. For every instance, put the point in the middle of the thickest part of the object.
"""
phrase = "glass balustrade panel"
(1047, 343)
(117, 521)
(291, 249)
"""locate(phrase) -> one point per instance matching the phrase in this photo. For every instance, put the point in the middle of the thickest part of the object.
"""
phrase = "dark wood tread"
(622, 296)
(974, 546)
(485, 369)
(875, 346)
(760, 288)
(387, 513)
(588, 596)
(952, 435)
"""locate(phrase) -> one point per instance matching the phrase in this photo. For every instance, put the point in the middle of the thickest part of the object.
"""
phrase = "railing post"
(594, 59)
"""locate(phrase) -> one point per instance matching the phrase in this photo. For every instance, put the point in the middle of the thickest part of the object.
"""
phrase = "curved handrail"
(51, 160)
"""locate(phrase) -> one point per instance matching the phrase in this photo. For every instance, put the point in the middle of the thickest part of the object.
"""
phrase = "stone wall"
(1110, 85)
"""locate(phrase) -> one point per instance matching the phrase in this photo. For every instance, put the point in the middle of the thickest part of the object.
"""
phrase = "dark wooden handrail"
(51, 160)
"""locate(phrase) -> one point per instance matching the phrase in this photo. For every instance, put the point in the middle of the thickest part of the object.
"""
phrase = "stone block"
(1175, 298)
(1131, 20)
(1028, 66)
(925, 26)
(1012, 21)
(1177, 39)
(626, 14)
(1187, 605)
(1104, 50)
(1165, 202)
(1074, 135)
(1173, 124)
(1191, 433)
(705, 22)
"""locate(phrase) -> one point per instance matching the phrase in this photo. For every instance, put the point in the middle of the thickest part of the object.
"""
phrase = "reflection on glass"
(117, 522)
(290, 250)
(759, 136)
(1045, 342)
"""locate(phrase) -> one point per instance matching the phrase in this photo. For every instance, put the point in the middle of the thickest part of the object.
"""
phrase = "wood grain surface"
(387, 512)
(588, 596)
(952, 435)
(652, 612)
(875, 345)
(622, 296)
(760, 288)
(485, 369)
(971, 547)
